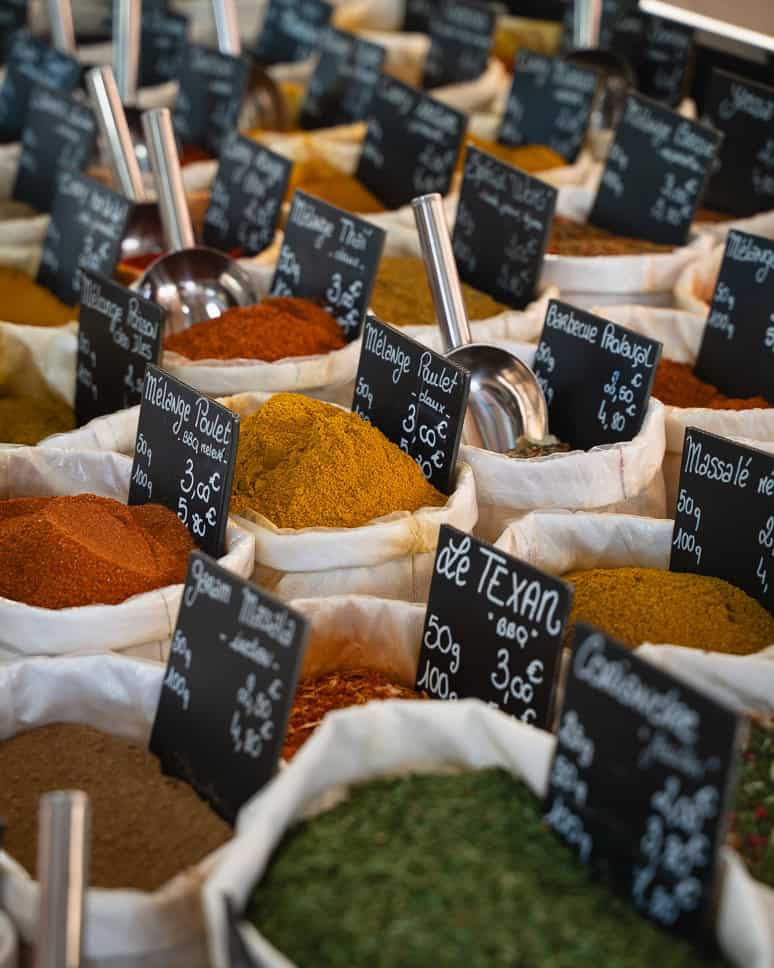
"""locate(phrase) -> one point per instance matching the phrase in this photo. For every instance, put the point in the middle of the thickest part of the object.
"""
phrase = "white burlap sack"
(393, 738)
(696, 282)
(37, 361)
(122, 927)
(760, 224)
(8, 947)
(681, 333)
(599, 280)
(140, 626)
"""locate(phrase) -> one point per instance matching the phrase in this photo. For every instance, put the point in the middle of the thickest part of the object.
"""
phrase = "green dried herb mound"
(753, 822)
(443, 871)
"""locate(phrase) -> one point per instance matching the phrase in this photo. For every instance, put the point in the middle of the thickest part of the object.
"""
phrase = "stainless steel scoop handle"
(115, 131)
(64, 840)
(438, 255)
(587, 17)
(165, 163)
(227, 27)
(60, 16)
(127, 16)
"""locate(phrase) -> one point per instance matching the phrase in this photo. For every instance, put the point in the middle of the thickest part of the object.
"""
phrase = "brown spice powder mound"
(572, 238)
(63, 552)
(337, 690)
(146, 827)
(678, 386)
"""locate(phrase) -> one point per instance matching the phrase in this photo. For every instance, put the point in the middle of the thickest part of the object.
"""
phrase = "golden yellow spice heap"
(305, 464)
(401, 295)
(23, 301)
(530, 158)
(636, 605)
(27, 420)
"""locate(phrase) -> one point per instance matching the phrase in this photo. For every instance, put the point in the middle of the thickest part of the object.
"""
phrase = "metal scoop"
(505, 400)
(64, 849)
(192, 283)
(264, 106)
(145, 233)
(127, 21)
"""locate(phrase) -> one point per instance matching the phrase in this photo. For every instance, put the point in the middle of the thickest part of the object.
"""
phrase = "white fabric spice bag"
(122, 927)
(595, 280)
(8, 946)
(398, 737)
(681, 333)
(696, 282)
(623, 477)
(141, 625)
(38, 360)
(760, 224)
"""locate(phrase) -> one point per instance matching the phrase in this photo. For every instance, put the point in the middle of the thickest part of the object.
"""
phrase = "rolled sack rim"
(385, 539)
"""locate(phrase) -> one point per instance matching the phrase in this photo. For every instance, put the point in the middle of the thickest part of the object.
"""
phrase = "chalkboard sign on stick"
(493, 630)
(209, 99)
(13, 17)
(247, 195)
(88, 222)
(660, 52)
(416, 397)
(549, 103)
(32, 63)
(411, 145)
(737, 350)
(164, 35)
(742, 183)
(59, 132)
(119, 332)
(330, 257)
(228, 687)
(640, 781)
(655, 173)
(184, 457)
(461, 34)
(417, 14)
(724, 519)
(501, 229)
(596, 376)
(344, 81)
(291, 31)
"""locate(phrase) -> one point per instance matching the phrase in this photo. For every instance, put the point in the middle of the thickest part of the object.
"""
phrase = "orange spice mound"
(678, 386)
(271, 330)
(571, 238)
(337, 690)
(63, 552)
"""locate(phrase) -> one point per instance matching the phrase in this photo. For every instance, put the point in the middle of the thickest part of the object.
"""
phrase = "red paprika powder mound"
(271, 330)
(62, 552)
(337, 690)
(678, 386)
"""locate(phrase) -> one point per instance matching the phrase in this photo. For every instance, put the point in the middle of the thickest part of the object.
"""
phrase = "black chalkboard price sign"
(724, 518)
(88, 222)
(501, 229)
(640, 781)
(59, 133)
(737, 350)
(119, 332)
(655, 173)
(743, 181)
(229, 683)
(184, 456)
(494, 628)
(417, 14)
(210, 97)
(164, 35)
(660, 52)
(330, 257)
(416, 397)
(342, 86)
(291, 30)
(549, 103)
(247, 195)
(411, 145)
(461, 36)
(30, 64)
(596, 376)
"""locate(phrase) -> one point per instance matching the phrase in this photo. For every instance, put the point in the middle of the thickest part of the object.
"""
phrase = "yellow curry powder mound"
(24, 302)
(27, 420)
(401, 295)
(530, 158)
(636, 605)
(303, 464)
